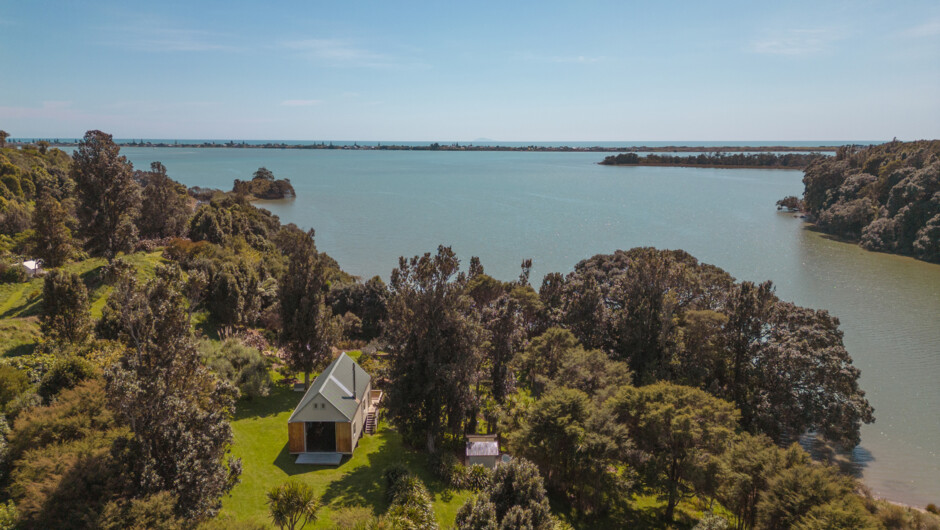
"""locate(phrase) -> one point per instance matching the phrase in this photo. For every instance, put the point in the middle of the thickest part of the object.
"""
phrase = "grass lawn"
(20, 303)
(260, 429)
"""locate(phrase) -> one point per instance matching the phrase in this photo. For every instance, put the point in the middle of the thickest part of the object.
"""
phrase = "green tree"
(165, 207)
(811, 495)
(293, 505)
(515, 494)
(505, 326)
(176, 409)
(108, 197)
(746, 469)
(52, 238)
(555, 358)
(806, 379)
(65, 310)
(577, 447)
(43, 146)
(308, 327)
(3, 138)
(679, 431)
(542, 360)
(434, 349)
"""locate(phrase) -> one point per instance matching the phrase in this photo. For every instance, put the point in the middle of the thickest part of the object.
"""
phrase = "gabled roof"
(482, 445)
(482, 449)
(336, 386)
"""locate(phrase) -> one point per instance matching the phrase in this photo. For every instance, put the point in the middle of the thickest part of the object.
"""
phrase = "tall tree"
(3, 138)
(177, 410)
(165, 209)
(679, 431)
(65, 313)
(108, 197)
(308, 327)
(52, 239)
(576, 445)
(504, 324)
(434, 339)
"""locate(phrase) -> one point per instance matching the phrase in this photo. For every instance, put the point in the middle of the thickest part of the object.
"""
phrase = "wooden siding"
(295, 437)
(344, 437)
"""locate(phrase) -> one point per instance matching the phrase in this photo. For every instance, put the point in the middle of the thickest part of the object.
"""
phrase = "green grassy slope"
(260, 428)
(20, 303)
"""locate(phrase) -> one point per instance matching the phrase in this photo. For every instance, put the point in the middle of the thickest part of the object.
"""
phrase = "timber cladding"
(295, 437)
(344, 437)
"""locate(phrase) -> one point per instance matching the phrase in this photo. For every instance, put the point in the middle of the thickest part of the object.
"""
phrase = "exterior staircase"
(371, 421)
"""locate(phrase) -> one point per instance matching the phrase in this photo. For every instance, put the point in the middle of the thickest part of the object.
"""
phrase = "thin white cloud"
(927, 29)
(342, 53)
(795, 42)
(300, 102)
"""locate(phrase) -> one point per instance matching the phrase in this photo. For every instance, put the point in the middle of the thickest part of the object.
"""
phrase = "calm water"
(369, 208)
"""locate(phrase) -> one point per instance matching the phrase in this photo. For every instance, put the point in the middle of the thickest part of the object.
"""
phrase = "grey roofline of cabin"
(335, 384)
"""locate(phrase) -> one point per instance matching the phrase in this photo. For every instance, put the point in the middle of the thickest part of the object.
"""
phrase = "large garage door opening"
(321, 437)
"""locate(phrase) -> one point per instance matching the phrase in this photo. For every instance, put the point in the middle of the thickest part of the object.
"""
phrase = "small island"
(763, 160)
(263, 185)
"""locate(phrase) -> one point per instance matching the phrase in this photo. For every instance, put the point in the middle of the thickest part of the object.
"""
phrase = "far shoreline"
(456, 147)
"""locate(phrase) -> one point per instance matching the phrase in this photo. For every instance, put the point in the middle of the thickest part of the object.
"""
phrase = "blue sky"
(510, 71)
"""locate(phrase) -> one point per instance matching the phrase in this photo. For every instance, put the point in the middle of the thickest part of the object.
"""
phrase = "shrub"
(117, 269)
(410, 500)
(8, 516)
(241, 365)
(13, 273)
(151, 512)
(65, 374)
(476, 477)
(12, 383)
(932, 508)
(293, 505)
(514, 497)
(353, 518)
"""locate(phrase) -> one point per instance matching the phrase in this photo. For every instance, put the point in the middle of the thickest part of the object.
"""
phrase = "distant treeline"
(456, 146)
(741, 160)
(886, 196)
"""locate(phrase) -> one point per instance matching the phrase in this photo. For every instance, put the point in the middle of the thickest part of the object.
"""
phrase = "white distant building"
(33, 266)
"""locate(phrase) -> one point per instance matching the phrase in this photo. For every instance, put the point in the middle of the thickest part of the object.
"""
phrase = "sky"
(463, 71)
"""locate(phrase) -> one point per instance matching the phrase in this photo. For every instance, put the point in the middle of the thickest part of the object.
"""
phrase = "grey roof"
(482, 449)
(335, 386)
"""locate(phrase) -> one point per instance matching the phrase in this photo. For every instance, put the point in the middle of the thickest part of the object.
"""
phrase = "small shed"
(482, 449)
(32, 266)
(335, 411)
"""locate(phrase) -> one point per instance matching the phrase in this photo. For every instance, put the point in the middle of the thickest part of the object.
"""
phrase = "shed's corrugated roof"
(482, 449)
(335, 384)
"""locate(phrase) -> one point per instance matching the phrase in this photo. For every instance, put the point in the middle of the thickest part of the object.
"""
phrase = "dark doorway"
(321, 437)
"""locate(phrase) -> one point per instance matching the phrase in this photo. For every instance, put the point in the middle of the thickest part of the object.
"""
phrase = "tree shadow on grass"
(22, 349)
(364, 484)
(282, 398)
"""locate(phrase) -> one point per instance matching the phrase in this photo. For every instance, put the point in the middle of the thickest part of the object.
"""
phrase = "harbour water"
(370, 207)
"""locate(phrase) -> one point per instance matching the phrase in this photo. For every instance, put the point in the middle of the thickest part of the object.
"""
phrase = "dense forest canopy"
(885, 196)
